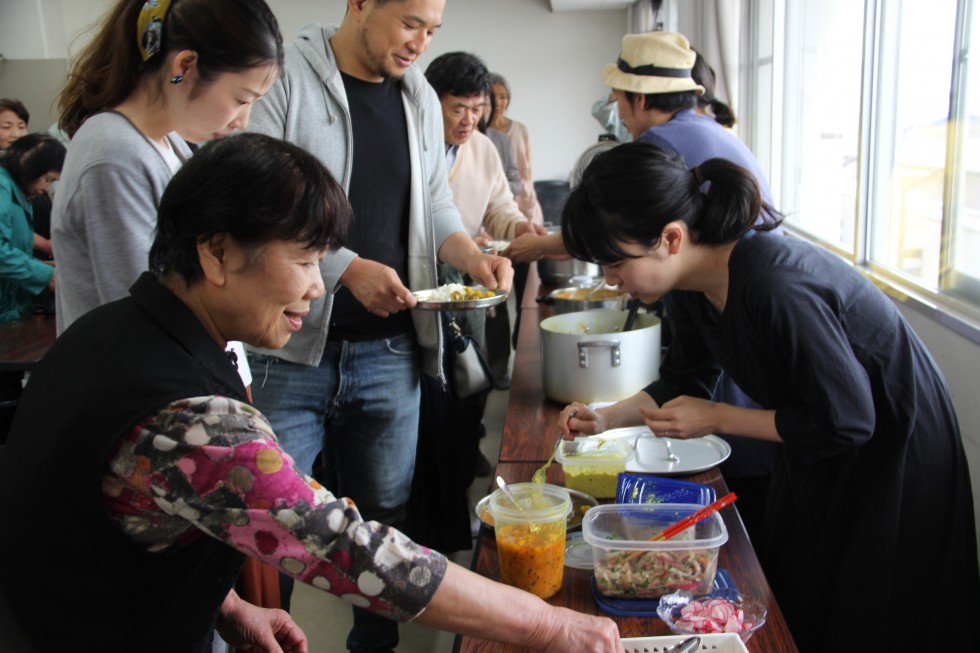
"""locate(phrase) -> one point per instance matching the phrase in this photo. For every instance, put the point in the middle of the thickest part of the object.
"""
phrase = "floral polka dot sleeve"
(212, 465)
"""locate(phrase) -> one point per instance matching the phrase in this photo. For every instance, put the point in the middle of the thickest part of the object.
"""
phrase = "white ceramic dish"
(649, 456)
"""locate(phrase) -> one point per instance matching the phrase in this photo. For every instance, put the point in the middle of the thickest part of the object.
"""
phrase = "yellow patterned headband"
(149, 27)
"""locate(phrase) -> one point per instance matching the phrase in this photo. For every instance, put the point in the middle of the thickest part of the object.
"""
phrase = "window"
(874, 146)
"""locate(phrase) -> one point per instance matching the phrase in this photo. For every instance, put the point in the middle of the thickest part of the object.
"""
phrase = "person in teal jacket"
(27, 169)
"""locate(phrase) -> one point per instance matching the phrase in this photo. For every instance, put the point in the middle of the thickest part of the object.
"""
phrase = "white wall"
(552, 61)
(959, 359)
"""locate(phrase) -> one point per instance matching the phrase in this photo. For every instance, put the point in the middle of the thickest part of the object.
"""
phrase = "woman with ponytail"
(158, 74)
(708, 102)
(871, 492)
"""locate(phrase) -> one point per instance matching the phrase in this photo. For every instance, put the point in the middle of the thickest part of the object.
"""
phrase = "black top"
(379, 194)
(111, 369)
(870, 508)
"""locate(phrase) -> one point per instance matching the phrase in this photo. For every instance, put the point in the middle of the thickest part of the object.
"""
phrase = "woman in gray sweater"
(155, 77)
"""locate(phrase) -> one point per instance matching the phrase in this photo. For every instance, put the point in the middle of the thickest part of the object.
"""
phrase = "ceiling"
(588, 5)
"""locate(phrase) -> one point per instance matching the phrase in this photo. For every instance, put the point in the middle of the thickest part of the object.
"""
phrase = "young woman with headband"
(157, 75)
(871, 492)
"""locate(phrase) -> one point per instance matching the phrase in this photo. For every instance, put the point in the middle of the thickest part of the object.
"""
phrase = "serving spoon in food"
(502, 484)
(541, 473)
(598, 287)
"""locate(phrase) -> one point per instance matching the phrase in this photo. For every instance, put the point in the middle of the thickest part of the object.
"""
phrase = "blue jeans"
(360, 406)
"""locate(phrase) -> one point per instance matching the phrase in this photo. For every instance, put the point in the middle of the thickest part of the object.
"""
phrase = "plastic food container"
(628, 564)
(722, 643)
(644, 488)
(531, 539)
(581, 502)
(592, 465)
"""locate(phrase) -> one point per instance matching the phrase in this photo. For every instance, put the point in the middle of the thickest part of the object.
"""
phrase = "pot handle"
(583, 351)
(545, 299)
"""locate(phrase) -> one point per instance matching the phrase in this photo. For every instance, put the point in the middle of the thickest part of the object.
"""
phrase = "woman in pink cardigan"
(527, 200)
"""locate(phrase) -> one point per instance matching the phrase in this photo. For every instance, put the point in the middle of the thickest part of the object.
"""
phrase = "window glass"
(822, 109)
(965, 242)
(910, 180)
(875, 147)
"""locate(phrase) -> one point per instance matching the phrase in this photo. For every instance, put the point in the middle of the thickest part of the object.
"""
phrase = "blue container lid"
(644, 488)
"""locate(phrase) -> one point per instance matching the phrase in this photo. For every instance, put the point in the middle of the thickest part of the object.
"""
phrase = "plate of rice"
(457, 297)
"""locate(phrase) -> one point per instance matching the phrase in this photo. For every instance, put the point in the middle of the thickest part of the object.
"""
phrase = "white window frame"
(766, 19)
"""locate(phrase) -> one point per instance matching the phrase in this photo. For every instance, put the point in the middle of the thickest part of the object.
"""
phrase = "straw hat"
(655, 62)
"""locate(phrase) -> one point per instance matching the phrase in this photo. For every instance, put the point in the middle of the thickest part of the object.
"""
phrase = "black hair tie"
(697, 175)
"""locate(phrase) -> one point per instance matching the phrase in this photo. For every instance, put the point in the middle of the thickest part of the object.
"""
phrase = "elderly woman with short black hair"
(153, 478)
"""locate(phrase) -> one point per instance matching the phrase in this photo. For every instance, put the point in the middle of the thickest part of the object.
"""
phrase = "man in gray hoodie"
(348, 382)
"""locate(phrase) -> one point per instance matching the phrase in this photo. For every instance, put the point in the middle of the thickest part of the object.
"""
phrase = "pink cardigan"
(480, 190)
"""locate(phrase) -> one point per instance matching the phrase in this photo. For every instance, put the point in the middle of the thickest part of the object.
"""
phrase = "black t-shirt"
(379, 194)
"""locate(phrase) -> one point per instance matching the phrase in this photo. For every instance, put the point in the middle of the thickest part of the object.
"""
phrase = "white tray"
(724, 643)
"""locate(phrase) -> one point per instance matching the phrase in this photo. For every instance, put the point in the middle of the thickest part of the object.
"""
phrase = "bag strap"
(455, 332)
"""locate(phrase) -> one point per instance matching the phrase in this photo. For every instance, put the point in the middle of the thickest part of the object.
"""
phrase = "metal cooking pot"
(586, 357)
(558, 274)
(569, 300)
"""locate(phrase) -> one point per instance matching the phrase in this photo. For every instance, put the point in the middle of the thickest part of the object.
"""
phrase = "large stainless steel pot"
(586, 357)
(558, 274)
(570, 300)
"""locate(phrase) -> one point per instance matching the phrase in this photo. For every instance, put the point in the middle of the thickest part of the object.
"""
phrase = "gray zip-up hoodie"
(308, 106)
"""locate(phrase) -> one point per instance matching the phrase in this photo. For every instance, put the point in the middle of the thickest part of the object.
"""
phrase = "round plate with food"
(457, 297)
(581, 502)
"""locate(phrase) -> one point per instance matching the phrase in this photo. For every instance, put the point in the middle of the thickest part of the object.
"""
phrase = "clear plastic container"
(592, 465)
(531, 538)
(628, 564)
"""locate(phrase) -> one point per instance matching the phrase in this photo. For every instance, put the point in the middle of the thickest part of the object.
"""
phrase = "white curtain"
(642, 16)
(719, 45)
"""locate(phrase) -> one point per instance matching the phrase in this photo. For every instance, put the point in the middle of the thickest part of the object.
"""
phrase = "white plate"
(650, 455)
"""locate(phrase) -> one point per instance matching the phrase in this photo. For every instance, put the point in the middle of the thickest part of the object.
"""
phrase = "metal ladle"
(541, 474)
(634, 307)
(592, 292)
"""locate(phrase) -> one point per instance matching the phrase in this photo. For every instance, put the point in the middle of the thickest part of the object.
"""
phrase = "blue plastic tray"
(644, 488)
(648, 607)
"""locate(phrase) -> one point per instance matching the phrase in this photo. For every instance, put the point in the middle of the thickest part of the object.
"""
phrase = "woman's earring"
(177, 79)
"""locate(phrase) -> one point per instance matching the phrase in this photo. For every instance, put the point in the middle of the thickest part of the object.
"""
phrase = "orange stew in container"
(532, 557)
(530, 534)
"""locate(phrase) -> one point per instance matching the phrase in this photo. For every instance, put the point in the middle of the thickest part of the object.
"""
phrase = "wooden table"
(23, 343)
(528, 438)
